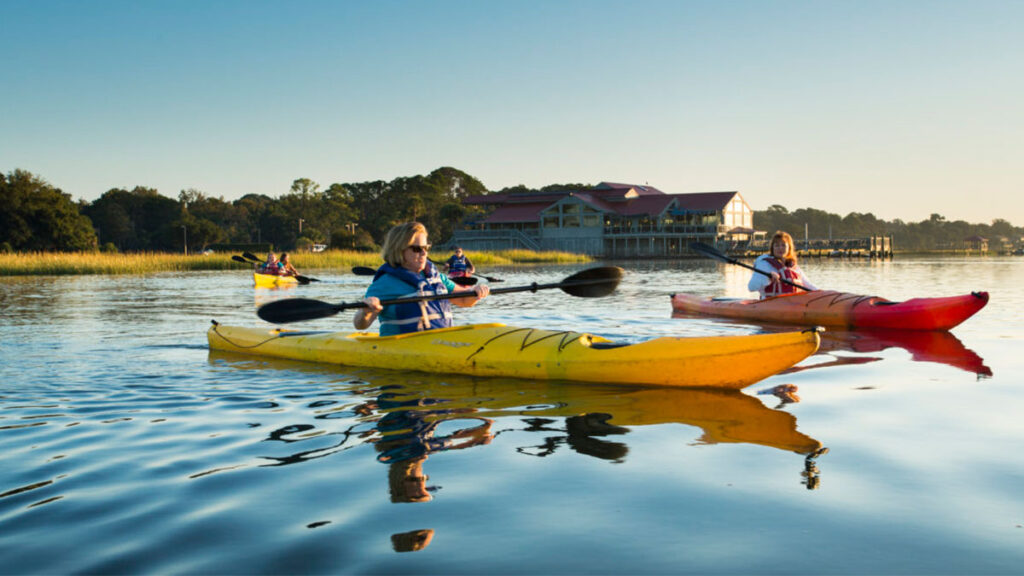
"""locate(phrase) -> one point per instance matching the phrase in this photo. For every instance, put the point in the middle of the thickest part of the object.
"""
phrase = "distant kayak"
(272, 281)
(840, 309)
(499, 350)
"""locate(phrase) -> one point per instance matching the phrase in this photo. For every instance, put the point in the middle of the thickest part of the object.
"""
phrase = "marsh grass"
(71, 263)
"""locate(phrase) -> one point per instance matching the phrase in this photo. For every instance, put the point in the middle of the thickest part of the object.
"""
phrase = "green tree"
(37, 216)
(136, 220)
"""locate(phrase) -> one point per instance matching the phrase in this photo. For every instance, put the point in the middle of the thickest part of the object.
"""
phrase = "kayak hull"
(841, 310)
(498, 350)
(272, 281)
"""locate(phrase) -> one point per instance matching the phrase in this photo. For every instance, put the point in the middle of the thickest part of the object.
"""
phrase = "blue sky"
(898, 108)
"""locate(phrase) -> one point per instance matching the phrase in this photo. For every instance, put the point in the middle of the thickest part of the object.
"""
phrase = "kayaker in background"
(286, 265)
(459, 265)
(272, 266)
(407, 272)
(779, 263)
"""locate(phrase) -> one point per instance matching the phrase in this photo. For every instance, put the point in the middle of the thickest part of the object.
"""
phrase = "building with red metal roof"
(607, 220)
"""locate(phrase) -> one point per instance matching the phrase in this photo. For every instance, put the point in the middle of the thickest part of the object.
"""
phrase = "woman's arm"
(758, 282)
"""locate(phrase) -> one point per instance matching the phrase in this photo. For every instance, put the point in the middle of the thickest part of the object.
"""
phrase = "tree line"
(935, 233)
(36, 216)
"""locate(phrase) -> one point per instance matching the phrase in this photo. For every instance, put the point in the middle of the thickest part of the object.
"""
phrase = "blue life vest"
(458, 264)
(275, 269)
(423, 315)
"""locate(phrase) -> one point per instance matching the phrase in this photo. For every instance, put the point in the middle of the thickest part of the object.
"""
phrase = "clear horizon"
(901, 109)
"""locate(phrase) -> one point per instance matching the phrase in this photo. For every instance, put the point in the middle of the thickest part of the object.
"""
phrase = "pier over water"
(870, 247)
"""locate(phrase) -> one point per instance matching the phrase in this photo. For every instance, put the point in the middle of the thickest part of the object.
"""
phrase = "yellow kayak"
(499, 350)
(272, 281)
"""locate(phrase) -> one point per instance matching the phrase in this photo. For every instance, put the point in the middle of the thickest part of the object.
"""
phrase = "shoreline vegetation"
(82, 263)
(342, 261)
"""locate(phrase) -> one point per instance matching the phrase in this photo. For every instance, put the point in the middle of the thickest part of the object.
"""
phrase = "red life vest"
(776, 288)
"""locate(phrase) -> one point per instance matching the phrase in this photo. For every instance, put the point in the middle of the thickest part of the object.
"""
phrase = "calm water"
(129, 448)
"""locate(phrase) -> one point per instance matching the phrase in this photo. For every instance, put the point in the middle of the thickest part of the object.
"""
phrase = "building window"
(570, 222)
(551, 221)
(591, 220)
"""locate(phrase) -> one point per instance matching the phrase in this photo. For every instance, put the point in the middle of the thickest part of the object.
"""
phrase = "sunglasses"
(419, 249)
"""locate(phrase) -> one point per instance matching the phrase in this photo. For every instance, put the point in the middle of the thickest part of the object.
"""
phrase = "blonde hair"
(789, 258)
(397, 240)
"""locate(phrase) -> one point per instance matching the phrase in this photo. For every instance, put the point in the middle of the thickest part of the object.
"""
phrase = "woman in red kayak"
(780, 264)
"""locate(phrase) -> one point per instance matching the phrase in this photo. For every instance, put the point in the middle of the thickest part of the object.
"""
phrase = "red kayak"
(840, 309)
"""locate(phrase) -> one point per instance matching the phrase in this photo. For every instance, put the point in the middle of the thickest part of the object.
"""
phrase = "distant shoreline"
(86, 263)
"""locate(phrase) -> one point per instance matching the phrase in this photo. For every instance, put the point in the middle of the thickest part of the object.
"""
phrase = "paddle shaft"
(451, 295)
(460, 280)
(711, 251)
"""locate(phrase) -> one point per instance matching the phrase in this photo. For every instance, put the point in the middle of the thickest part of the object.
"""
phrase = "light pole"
(300, 226)
(351, 226)
(184, 239)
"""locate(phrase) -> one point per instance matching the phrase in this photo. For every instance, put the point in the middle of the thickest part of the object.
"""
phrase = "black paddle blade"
(363, 271)
(296, 310)
(709, 251)
(238, 258)
(593, 282)
(250, 256)
(464, 280)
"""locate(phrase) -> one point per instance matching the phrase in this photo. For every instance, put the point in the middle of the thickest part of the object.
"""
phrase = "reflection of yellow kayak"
(500, 350)
(725, 416)
(272, 281)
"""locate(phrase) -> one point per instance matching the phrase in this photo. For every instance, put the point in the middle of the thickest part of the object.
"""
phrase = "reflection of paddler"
(725, 416)
(412, 541)
(407, 482)
(582, 433)
(409, 433)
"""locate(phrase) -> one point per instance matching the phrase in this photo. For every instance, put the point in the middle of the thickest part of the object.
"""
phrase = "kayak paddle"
(363, 271)
(589, 283)
(712, 252)
(302, 279)
(461, 281)
(488, 278)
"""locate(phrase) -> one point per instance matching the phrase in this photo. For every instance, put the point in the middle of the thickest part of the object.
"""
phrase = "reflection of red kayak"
(840, 309)
(930, 346)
